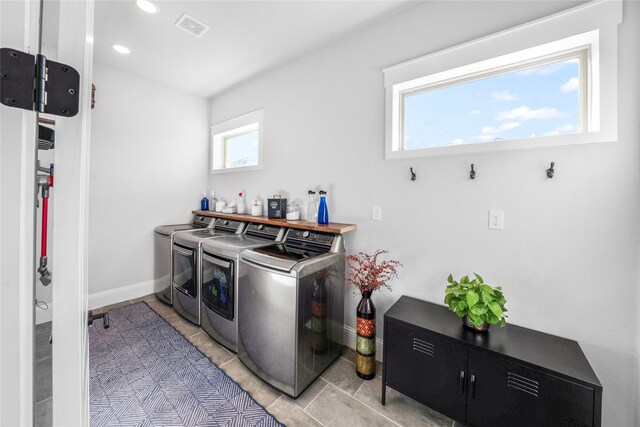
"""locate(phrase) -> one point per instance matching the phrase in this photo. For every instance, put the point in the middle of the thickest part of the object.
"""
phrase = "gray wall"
(148, 167)
(568, 257)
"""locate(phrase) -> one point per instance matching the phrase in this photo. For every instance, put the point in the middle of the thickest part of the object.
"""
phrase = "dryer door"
(218, 284)
(184, 278)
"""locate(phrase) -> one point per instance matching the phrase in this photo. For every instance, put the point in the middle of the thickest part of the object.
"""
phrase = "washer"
(221, 269)
(291, 309)
(163, 240)
(186, 259)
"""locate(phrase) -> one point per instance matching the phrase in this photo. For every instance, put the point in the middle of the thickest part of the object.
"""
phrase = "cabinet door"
(504, 393)
(427, 368)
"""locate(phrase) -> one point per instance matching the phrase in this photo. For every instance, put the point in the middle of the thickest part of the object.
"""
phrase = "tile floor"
(338, 398)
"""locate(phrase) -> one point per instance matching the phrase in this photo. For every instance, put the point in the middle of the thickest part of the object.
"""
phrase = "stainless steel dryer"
(187, 256)
(221, 269)
(291, 309)
(163, 240)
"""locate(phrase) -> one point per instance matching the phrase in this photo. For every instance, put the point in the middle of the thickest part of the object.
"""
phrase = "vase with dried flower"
(368, 274)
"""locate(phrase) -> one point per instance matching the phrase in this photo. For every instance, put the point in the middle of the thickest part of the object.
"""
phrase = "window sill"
(512, 144)
(238, 169)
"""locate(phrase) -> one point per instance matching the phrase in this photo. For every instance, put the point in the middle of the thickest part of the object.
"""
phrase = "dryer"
(162, 260)
(186, 261)
(221, 268)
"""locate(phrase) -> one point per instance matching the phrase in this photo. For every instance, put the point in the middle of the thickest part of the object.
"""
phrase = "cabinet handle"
(473, 386)
(461, 382)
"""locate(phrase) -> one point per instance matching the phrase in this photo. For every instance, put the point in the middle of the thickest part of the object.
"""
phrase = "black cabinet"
(508, 376)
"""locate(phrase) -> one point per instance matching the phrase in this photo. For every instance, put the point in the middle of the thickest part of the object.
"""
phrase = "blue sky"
(537, 101)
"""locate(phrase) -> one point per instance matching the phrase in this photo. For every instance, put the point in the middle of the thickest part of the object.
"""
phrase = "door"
(427, 368)
(71, 211)
(184, 278)
(20, 29)
(218, 281)
(503, 393)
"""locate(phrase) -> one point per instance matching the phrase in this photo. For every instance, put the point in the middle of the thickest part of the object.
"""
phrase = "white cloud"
(523, 113)
(484, 137)
(504, 95)
(566, 128)
(487, 130)
(475, 112)
(456, 141)
(570, 86)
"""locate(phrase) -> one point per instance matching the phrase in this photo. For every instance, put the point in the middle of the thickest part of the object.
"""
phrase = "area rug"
(142, 372)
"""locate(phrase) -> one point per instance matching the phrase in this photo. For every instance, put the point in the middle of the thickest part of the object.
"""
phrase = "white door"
(20, 29)
(70, 216)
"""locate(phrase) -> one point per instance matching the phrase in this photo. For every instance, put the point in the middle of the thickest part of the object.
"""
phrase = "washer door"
(183, 270)
(218, 285)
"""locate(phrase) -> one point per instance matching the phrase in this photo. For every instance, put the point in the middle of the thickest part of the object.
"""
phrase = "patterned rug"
(142, 372)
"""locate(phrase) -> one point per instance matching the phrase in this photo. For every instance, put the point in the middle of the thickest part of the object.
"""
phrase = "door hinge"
(35, 83)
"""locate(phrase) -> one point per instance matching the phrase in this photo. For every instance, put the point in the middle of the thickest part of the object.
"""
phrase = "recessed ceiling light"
(147, 6)
(121, 49)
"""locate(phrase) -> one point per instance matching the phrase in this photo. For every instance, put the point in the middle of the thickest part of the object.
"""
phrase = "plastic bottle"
(323, 211)
(240, 203)
(312, 211)
(212, 200)
(204, 203)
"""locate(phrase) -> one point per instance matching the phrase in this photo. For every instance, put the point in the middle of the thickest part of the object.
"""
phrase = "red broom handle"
(45, 210)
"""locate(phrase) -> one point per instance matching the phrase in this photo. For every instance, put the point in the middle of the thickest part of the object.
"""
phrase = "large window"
(237, 143)
(547, 93)
(525, 102)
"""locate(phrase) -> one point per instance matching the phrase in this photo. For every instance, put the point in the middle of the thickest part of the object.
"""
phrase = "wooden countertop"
(332, 227)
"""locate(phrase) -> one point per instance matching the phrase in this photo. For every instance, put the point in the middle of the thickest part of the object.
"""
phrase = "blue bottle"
(323, 211)
(204, 203)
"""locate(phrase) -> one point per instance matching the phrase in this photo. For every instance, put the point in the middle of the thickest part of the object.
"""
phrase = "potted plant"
(368, 274)
(479, 304)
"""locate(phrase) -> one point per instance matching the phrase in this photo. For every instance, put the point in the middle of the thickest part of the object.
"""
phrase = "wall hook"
(472, 174)
(550, 171)
(413, 174)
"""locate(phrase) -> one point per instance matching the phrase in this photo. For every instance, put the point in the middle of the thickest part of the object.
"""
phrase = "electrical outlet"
(376, 213)
(496, 220)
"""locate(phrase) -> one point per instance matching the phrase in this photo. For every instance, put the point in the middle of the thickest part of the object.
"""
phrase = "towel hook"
(472, 174)
(413, 174)
(550, 171)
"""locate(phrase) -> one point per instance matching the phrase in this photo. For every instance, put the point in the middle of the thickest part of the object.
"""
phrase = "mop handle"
(45, 210)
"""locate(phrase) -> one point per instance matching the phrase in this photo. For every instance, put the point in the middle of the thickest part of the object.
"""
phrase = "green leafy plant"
(476, 299)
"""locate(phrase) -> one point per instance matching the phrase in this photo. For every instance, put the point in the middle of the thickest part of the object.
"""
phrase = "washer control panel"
(311, 237)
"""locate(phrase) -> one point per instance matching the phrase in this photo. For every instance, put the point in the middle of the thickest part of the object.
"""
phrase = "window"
(237, 143)
(544, 94)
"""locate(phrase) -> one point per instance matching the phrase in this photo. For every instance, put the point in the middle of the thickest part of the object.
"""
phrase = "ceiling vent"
(191, 25)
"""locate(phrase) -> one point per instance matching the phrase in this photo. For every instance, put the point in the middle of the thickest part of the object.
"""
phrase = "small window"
(546, 83)
(237, 143)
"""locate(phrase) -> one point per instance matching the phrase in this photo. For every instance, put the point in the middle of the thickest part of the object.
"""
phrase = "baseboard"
(123, 293)
(101, 299)
(43, 316)
(349, 339)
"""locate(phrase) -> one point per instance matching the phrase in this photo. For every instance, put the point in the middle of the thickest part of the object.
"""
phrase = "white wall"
(148, 167)
(568, 257)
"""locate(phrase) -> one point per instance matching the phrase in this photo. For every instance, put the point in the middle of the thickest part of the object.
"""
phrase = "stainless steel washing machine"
(291, 309)
(186, 261)
(163, 240)
(221, 269)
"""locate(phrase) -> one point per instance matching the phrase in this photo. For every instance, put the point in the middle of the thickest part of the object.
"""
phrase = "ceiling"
(246, 38)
